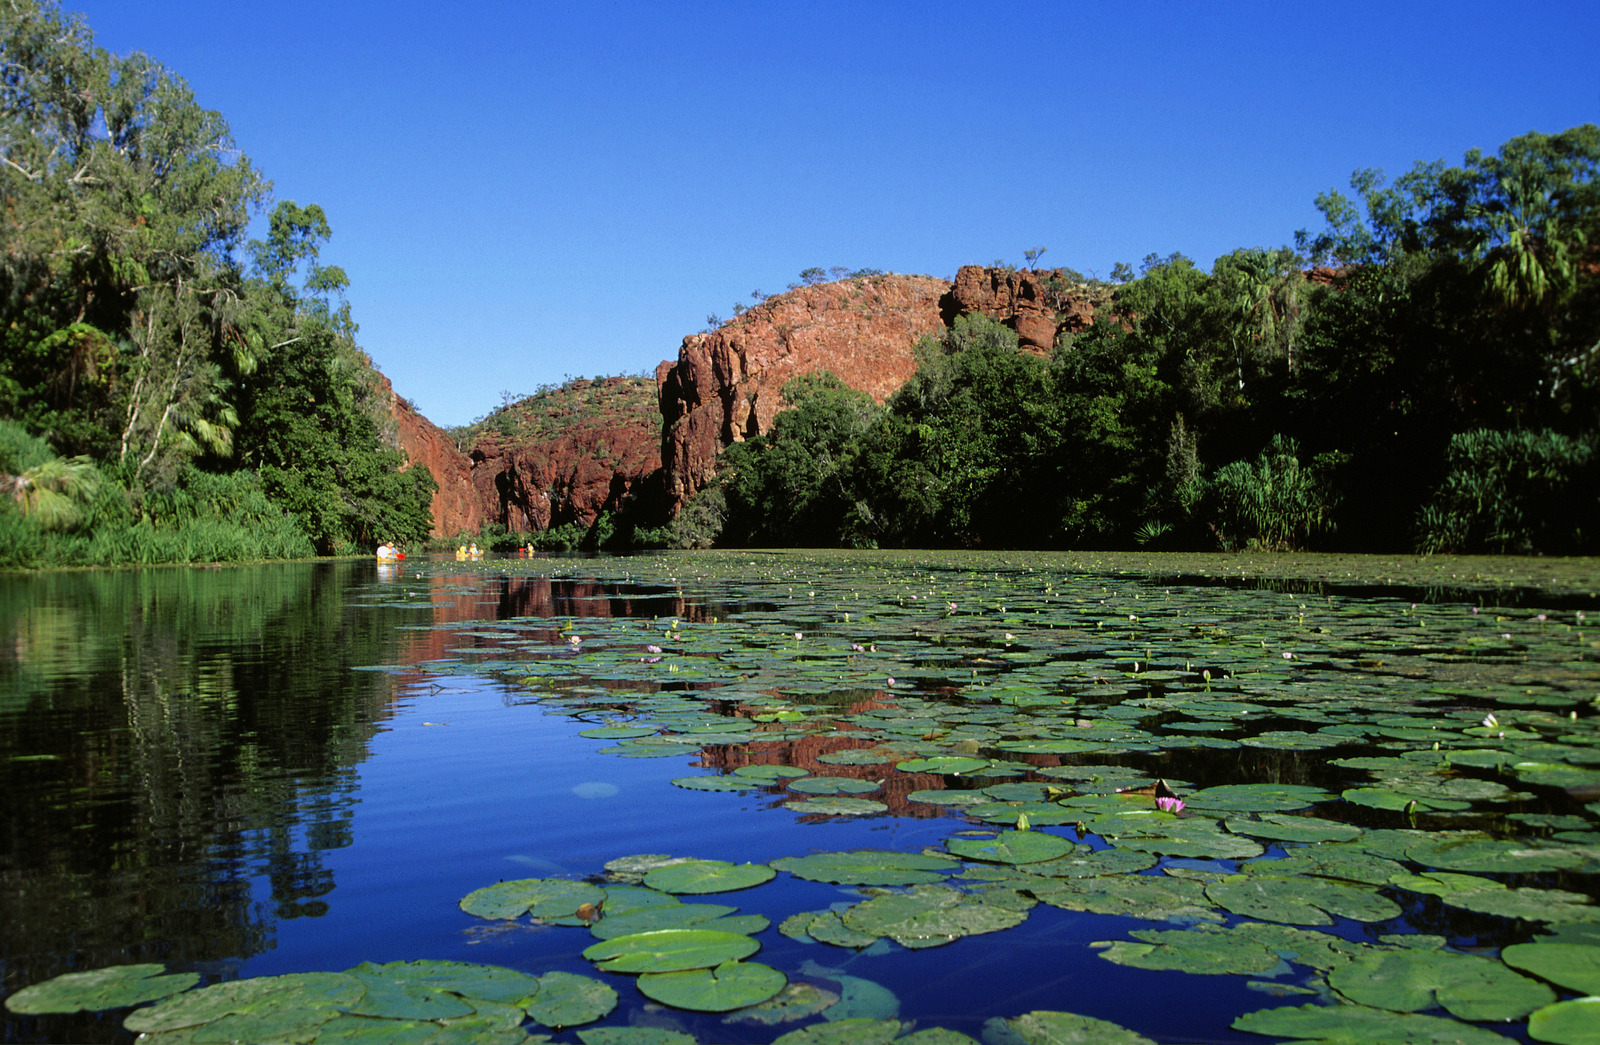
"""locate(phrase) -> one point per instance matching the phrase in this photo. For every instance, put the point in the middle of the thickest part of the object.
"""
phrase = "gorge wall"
(567, 455)
(726, 385)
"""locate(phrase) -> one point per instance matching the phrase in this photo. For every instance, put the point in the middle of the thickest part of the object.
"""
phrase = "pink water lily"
(1169, 805)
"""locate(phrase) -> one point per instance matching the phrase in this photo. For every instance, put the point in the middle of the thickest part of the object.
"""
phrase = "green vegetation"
(169, 391)
(1431, 384)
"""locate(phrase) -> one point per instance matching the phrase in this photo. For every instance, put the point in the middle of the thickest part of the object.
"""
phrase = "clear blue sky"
(521, 191)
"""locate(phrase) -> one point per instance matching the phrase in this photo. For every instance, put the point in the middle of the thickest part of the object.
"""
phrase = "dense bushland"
(1422, 373)
(168, 390)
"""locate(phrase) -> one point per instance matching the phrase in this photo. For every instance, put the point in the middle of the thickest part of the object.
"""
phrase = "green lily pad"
(834, 785)
(258, 1008)
(770, 772)
(837, 806)
(476, 1029)
(731, 985)
(670, 950)
(930, 916)
(98, 989)
(539, 897)
(1467, 986)
(423, 979)
(1256, 798)
(1280, 827)
(661, 916)
(1152, 897)
(1574, 966)
(1535, 905)
(858, 1030)
(1300, 901)
(698, 877)
(717, 783)
(1044, 1027)
(565, 999)
(635, 1036)
(824, 927)
(1574, 1022)
(1012, 847)
(868, 868)
(1359, 1025)
(1192, 950)
(1470, 851)
(949, 765)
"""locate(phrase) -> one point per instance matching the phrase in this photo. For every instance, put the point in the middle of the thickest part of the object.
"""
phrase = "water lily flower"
(891, 680)
(1490, 722)
(1169, 805)
(798, 636)
(575, 639)
(653, 648)
(856, 647)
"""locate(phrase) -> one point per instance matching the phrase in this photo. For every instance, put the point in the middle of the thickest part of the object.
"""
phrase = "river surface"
(254, 770)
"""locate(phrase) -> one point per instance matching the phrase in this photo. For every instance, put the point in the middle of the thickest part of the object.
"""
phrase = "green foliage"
(134, 339)
(1515, 492)
(1274, 502)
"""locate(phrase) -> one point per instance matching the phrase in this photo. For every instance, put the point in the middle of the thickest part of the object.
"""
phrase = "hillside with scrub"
(1419, 374)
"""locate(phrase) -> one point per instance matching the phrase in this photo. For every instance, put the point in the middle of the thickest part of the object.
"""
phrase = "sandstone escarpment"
(1039, 305)
(726, 385)
(456, 504)
(569, 454)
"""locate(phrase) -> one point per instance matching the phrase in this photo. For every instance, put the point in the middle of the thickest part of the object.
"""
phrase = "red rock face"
(542, 473)
(592, 447)
(570, 478)
(1039, 306)
(456, 504)
(726, 385)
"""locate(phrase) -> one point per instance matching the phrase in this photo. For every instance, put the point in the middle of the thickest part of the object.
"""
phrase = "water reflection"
(166, 736)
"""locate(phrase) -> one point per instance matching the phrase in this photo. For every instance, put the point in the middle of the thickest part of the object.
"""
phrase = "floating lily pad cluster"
(1284, 782)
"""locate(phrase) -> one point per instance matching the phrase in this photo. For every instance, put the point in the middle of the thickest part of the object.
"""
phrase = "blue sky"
(523, 191)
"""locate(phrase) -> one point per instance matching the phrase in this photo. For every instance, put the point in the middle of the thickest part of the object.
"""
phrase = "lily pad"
(698, 877)
(253, 1009)
(950, 765)
(1574, 1022)
(1467, 986)
(1574, 966)
(868, 868)
(635, 1036)
(540, 897)
(930, 916)
(837, 806)
(1359, 1025)
(1300, 901)
(859, 1030)
(1256, 798)
(670, 950)
(1044, 1027)
(731, 985)
(1280, 827)
(1192, 950)
(565, 999)
(1012, 847)
(98, 989)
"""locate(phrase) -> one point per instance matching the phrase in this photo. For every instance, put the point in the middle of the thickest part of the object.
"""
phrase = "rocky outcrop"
(1039, 305)
(456, 504)
(595, 460)
(563, 456)
(726, 385)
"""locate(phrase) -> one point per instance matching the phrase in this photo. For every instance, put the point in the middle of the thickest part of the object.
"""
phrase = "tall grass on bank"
(209, 518)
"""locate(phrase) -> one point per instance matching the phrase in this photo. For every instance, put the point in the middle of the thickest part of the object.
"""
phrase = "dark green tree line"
(140, 331)
(1422, 373)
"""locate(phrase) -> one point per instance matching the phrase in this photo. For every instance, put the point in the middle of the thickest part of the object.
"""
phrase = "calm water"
(202, 767)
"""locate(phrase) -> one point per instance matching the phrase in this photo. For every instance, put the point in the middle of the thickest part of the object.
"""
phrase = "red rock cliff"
(456, 504)
(725, 385)
(570, 454)
(1039, 306)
